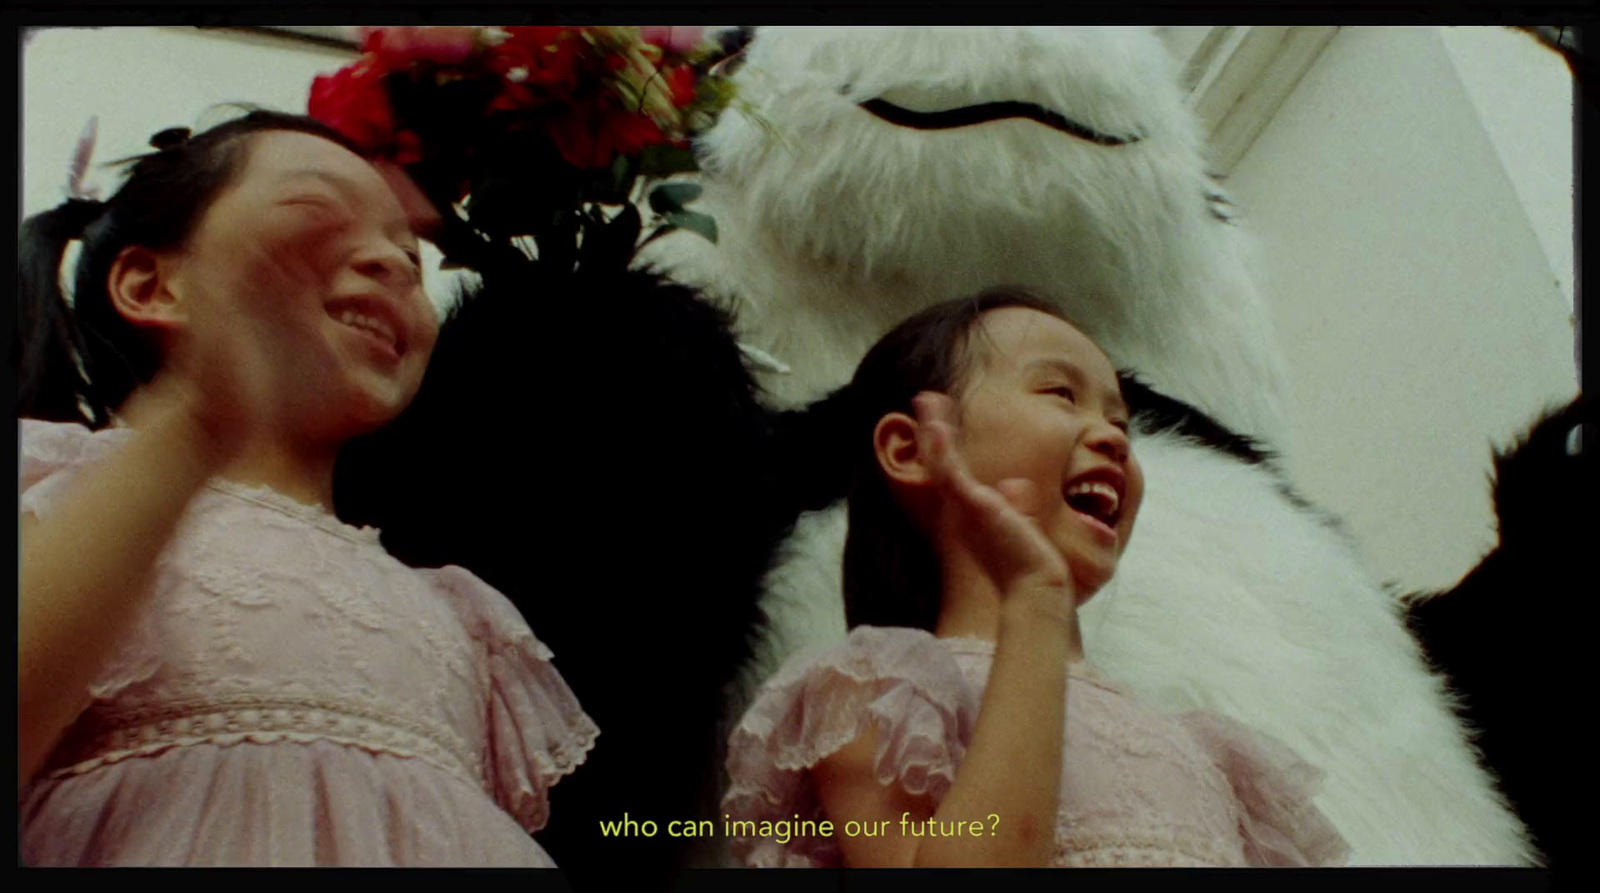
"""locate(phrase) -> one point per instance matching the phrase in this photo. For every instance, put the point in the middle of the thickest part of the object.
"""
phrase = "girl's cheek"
(298, 262)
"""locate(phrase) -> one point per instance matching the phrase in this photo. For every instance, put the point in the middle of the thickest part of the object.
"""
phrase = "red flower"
(680, 81)
(547, 56)
(536, 65)
(593, 140)
(399, 48)
(537, 35)
(354, 102)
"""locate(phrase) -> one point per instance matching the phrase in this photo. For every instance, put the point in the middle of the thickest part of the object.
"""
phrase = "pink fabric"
(1139, 787)
(292, 695)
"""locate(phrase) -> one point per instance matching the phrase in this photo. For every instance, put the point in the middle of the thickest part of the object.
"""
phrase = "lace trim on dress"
(538, 732)
(255, 719)
(899, 682)
(315, 515)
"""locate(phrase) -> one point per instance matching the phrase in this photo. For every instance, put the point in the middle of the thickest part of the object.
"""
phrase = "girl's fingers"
(936, 428)
(1004, 515)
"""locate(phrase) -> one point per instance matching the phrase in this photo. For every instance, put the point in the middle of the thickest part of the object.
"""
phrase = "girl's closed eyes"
(330, 215)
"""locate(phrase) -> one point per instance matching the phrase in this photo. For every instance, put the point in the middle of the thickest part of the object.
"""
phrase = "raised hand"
(999, 522)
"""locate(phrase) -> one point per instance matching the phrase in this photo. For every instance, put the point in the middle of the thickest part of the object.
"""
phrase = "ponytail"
(78, 362)
(47, 348)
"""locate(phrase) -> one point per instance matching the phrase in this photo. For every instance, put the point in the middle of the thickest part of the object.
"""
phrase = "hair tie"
(171, 138)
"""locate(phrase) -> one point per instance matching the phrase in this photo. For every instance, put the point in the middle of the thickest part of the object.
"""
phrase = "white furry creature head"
(1099, 200)
(848, 188)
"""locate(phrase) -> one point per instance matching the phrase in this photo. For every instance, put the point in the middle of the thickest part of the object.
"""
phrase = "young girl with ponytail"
(993, 490)
(213, 669)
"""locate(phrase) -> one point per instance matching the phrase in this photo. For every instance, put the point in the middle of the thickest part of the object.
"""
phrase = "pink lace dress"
(1139, 787)
(292, 695)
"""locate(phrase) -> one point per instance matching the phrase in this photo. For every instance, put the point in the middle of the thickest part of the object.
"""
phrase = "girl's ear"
(894, 442)
(138, 288)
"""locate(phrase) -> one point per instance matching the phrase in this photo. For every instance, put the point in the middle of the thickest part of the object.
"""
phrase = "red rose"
(574, 138)
(353, 101)
(680, 81)
(547, 56)
(590, 139)
(536, 35)
(536, 65)
(629, 133)
(398, 48)
(513, 96)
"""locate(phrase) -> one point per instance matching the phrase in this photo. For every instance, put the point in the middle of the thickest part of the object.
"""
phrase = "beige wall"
(141, 80)
(138, 81)
(1413, 293)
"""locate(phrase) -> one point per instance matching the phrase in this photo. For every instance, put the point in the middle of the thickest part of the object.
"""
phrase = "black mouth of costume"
(966, 115)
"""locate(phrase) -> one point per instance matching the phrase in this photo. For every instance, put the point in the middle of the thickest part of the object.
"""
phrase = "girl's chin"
(1090, 578)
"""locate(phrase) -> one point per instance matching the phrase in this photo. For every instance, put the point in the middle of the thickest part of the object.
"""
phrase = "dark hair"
(891, 574)
(80, 362)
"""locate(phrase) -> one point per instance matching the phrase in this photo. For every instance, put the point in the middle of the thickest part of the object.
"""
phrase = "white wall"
(141, 80)
(1523, 94)
(1413, 293)
(138, 81)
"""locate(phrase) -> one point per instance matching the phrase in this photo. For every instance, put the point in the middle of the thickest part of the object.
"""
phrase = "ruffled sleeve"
(1279, 823)
(537, 731)
(902, 683)
(49, 453)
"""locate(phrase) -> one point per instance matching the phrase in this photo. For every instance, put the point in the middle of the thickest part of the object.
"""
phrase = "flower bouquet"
(535, 142)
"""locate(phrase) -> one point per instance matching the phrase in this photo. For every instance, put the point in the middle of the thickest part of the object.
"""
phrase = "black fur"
(597, 451)
(1501, 633)
(1154, 411)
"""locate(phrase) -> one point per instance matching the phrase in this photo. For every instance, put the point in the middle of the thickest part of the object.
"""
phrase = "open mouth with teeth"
(1096, 499)
(361, 317)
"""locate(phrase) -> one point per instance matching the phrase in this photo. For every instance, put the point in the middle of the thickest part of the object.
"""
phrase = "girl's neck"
(970, 605)
(304, 475)
(302, 471)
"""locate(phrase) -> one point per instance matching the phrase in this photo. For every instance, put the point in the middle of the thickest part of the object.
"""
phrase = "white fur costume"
(835, 225)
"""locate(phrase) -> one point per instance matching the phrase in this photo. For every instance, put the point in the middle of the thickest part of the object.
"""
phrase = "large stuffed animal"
(879, 170)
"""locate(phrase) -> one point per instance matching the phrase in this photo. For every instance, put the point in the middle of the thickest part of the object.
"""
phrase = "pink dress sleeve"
(538, 733)
(1274, 787)
(902, 683)
(48, 454)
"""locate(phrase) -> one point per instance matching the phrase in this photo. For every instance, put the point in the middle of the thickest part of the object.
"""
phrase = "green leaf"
(704, 224)
(670, 197)
(664, 159)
